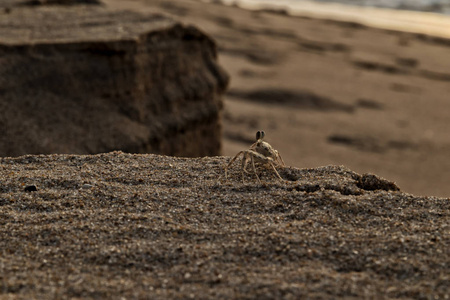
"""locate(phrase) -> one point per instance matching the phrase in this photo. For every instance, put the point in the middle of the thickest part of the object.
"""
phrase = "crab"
(260, 152)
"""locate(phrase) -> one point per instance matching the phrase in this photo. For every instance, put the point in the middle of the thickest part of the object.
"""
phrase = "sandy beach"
(330, 92)
(359, 115)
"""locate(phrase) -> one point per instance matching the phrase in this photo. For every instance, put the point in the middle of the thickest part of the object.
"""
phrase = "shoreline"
(428, 23)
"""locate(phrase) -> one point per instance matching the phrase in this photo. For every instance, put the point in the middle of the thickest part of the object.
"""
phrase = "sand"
(329, 92)
(124, 226)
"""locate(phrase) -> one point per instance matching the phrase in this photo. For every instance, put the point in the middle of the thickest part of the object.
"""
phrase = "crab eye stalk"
(260, 135)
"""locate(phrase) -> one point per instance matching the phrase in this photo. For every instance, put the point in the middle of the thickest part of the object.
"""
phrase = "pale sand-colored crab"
(260, 152)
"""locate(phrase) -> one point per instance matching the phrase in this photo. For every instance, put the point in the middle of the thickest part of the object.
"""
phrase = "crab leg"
(280, 158)
(245, 161)
(229, 164)
(244, 164)
(254, 169)
(276, 172)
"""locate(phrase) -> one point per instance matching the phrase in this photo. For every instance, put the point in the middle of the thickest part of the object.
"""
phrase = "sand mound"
(145, 226)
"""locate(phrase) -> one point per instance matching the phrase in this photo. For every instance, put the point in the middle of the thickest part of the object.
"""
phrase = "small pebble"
(87, 186)
(30, 188)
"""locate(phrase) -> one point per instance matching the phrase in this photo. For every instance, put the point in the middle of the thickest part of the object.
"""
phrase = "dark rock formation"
(147, 226)
(88, 80)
